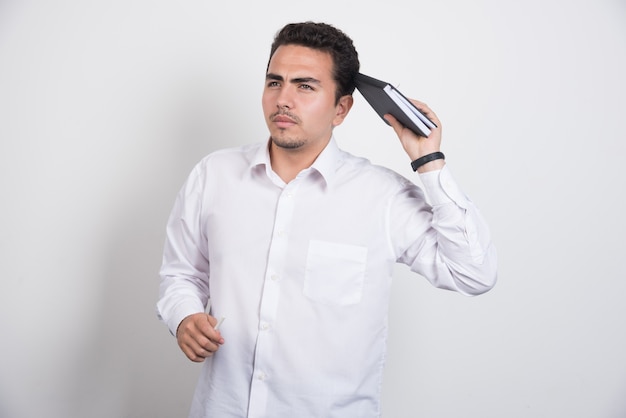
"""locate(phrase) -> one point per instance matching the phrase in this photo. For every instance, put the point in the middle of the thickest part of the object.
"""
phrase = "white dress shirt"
(302, 273)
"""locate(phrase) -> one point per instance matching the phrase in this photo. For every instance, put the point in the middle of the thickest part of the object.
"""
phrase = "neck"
(288, 162)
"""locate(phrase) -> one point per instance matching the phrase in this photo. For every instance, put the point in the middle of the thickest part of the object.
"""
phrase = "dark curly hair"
(327, 38)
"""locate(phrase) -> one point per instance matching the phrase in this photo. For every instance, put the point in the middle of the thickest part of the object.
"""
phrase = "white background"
(105, 106)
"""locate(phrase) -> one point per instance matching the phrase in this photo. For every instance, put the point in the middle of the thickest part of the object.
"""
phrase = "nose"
(285, 99)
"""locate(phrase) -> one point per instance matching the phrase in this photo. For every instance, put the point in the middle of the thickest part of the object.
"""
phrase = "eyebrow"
(276, 77)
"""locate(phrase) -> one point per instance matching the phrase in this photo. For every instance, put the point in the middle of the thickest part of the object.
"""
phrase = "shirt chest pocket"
(335, 273)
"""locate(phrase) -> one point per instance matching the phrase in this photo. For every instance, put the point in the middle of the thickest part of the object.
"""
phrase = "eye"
(306, 87)
(273, 84)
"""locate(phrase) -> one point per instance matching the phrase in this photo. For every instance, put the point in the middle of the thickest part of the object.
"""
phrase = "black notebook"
(386, 99)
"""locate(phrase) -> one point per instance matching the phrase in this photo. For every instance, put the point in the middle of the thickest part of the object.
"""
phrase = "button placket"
(270, 299)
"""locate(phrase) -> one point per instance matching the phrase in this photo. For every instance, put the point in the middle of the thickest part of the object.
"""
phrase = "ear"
(342, 109)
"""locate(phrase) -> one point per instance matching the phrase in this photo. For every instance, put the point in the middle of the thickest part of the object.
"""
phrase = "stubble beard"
(282, 139)
(286, 142)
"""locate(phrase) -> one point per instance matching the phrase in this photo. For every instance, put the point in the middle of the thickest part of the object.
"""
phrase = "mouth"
(282, 120)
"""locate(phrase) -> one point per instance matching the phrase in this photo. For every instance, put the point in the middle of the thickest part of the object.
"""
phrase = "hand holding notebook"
(386, 99)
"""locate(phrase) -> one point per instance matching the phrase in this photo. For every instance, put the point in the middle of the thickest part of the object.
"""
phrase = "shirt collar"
(326, 164)
(328, 161)
(261, 156)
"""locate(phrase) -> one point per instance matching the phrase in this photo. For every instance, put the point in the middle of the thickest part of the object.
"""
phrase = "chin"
(288, 143)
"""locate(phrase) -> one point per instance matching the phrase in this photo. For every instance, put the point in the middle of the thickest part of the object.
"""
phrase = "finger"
(193, 356)
(207, 344)
(395, 124)
(199, 350)
(198, 326)
(211, 320)
(427, 111)
(194, 345)
(211, 332)
(198, 338)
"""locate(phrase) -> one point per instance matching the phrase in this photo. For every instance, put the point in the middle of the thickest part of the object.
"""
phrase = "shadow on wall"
(133, 364)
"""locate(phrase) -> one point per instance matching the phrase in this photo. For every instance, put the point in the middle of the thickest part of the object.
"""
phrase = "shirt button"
(265, 326)
(281, 233)
(262, 376)
(274, 277)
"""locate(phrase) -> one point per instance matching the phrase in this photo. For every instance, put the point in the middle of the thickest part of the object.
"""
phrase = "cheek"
(322, 110)
(267, 104)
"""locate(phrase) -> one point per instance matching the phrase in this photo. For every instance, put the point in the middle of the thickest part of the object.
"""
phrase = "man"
(293, 241)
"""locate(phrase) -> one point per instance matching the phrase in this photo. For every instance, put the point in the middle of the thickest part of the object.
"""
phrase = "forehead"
(302, 60)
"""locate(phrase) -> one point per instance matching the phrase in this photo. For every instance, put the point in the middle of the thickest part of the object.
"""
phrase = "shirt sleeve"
(184, 286)
(454, 251)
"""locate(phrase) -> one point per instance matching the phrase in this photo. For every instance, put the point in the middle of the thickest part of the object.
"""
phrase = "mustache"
(283, 112)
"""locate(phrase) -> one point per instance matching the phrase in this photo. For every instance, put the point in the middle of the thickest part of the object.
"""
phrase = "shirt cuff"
(175, 315)
(441, 188)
